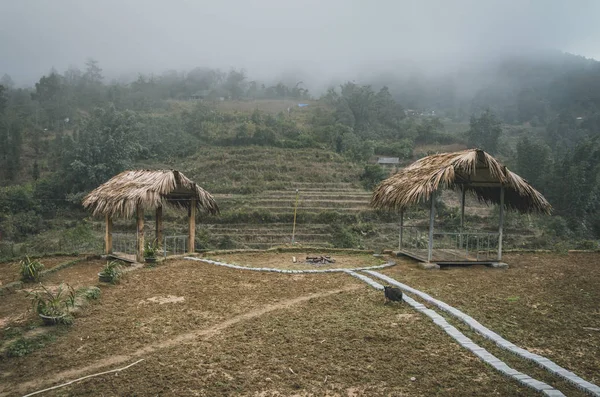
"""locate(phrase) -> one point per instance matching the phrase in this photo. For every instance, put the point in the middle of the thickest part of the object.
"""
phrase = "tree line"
(73, 131)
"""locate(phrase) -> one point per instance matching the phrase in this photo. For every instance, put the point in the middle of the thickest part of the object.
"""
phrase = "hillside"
(253, 146)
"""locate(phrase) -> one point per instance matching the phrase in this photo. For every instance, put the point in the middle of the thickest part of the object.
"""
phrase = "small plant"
(151, 249)
(23, 346)
(91, 293)
(54, 305)
(111, 273)
(31, 270)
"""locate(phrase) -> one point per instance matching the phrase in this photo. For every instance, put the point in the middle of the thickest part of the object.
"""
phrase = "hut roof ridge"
(420, 179)
(121, 194)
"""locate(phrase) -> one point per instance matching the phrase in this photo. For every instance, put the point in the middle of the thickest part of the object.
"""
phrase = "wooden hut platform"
(443, 256)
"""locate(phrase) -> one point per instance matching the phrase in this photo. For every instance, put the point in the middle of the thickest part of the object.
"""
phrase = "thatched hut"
(472, 171)
(133, 192)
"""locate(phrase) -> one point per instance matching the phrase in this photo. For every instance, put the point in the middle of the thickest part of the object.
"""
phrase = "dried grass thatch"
(475, 169)
(150, 188)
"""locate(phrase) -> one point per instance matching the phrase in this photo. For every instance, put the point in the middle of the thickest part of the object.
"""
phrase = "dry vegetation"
(204, 330)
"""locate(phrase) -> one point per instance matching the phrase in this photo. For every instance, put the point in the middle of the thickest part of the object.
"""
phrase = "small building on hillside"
(388, 161)
(199, 95)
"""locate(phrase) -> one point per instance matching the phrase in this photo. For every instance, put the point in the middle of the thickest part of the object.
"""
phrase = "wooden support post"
(139, 257)
(159, 227)
(462, 214)
(108, 236)
(500, 229)
(401, 230)
(192, 229)
(431, 218)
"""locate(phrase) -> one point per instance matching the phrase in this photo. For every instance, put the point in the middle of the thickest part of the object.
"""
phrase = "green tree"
(485, 131)
(50, 94)
(7, 82)
(106, 143)
(235, 83)
(533, 161)
(93, 72)
(372, 175)
(35, 171)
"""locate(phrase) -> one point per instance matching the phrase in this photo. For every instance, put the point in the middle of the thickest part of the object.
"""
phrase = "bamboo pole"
(139, 257)
(431, 217)
(462, 213)
(295, 210)
(192, 227)
(401, 230)
(500, 228)
(159, 226)
(108, 242)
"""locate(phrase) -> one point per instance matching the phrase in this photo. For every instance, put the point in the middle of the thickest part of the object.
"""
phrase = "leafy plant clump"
(31, 270)
(151, 249)
(112, 272)
(54, 304)
(21, 347)
(91, 293)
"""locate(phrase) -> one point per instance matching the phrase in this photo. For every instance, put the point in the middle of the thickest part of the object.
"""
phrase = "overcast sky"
(324, 38)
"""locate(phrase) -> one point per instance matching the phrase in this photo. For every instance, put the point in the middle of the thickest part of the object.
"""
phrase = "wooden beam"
(401, 230)
(462, 214)
(108, 242)
(159, 226)
(139, 257)
(192, 227)
(500, 229)
(431, 217)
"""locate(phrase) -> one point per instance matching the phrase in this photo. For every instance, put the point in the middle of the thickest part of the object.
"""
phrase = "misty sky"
(323, 38)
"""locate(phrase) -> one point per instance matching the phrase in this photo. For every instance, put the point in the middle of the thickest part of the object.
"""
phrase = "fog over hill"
(311, 40)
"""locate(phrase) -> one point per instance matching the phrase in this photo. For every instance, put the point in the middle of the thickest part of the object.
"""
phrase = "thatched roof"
(150, 188)
(475, 169)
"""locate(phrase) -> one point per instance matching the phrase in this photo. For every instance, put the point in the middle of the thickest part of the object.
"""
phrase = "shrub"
(92, 293)
(112, 271)
(372, 175)
(31, 270)
(150, 249)
(342, 237)
(21, 347)
(53, 304)
(589, 245)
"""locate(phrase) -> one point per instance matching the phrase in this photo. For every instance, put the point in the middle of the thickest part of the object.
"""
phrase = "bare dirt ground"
(9, 271)
(285, 260)
(546, 303)
(204, 330)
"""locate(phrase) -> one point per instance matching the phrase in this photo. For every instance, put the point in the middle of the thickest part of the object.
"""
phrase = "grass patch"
(24, 346)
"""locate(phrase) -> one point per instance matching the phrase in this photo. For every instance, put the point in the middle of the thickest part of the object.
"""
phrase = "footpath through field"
(461, 338)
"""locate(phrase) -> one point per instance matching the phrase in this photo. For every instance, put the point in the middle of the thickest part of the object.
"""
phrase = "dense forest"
(74, 130)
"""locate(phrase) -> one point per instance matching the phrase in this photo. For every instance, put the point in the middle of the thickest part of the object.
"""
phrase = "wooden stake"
(431, 217)
(192, 228)
(159, 227)
(139, 257)
(401, 230)
(500, 229)
(108, 236)
(462, 214)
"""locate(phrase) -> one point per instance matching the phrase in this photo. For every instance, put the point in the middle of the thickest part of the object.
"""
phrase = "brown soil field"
(546, 303)
(9, 271)
(204, 330)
